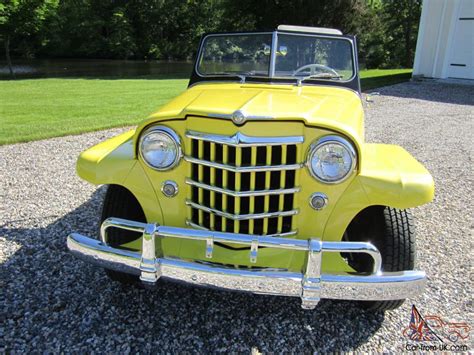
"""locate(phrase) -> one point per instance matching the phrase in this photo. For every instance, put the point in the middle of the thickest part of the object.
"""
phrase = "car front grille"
(243, 184)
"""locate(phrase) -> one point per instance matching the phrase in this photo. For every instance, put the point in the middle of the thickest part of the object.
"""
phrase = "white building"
(445, 43)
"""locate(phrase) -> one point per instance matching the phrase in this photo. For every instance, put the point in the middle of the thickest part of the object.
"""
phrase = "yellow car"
(258, 179)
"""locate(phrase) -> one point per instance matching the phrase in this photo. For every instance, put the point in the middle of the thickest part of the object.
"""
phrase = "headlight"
(160, 147)
(331, 159)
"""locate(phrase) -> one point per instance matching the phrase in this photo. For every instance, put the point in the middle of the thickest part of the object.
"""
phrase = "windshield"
(236, 54)
(295, 55)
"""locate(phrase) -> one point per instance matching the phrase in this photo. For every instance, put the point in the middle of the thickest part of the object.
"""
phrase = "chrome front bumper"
(311, 285)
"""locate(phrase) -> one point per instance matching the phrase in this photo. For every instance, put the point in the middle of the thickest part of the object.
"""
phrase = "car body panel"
(334, 108)
(386, 174)
(98, 164)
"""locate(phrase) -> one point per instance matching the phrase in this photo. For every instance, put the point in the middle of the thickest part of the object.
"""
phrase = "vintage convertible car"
(257, 178)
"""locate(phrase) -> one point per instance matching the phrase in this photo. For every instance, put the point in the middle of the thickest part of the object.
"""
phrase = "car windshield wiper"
(329, 76)
(240, 76)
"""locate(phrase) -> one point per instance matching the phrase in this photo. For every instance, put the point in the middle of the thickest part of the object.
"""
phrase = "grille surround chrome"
(241, 140)
(243, 184)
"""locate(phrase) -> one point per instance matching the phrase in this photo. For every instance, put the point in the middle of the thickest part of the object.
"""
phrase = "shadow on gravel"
(54, 302)
(437, 91)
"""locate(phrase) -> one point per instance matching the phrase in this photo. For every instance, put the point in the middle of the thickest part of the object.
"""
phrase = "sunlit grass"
(373, 78)
(43, 108)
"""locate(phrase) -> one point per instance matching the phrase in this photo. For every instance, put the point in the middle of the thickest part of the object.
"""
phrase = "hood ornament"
(238, 117)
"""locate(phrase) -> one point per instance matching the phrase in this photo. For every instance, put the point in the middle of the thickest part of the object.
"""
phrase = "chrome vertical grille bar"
(212, 182)
(244, 184)
(281, 199)
(200, 177)
(238, 186)
(253, 162)
(266, 201)
(225, 184)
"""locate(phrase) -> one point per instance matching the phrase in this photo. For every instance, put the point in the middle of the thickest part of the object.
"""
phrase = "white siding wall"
(440, 40)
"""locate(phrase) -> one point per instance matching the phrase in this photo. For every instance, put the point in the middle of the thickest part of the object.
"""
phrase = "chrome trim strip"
(247, 117)
(126, 224)
(244, 239)
(241, 193)
(273, 53)
(310, 285)
(243, 169)
(242, 140)
(317, 30)
(276, 235)
(242, 217)
(195, 226)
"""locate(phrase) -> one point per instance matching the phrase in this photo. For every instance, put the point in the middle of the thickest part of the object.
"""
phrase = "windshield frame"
(351, 83)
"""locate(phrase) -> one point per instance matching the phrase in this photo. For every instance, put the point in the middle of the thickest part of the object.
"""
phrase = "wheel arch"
(389, 176)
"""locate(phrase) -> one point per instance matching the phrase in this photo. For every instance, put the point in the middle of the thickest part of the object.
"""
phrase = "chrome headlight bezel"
(331, 139)
(170, 134)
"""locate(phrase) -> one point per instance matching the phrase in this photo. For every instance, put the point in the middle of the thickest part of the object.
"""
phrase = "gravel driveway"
(52, 302)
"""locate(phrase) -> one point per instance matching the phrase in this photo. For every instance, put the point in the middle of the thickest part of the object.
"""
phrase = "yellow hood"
(329, 107)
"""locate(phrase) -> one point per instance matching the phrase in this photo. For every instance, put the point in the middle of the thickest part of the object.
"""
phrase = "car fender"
(114, 162)
(388, 176)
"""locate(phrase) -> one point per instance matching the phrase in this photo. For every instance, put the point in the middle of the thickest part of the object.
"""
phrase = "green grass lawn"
(374, 78)
(41, 108)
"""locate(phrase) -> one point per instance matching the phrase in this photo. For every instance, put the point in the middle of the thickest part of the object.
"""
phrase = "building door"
(461, 58)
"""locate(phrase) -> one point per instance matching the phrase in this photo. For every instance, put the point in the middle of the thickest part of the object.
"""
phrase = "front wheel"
(120, 203)
(392, 231)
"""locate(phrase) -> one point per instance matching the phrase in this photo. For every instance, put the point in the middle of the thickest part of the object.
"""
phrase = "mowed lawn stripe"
(35, 109)
(43, 108)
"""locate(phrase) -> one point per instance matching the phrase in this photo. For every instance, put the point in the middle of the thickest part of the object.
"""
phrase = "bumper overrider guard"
(310, 286)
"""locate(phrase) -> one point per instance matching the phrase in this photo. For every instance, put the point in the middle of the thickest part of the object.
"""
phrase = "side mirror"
(370, 96)
(283, 51)
(267, 49)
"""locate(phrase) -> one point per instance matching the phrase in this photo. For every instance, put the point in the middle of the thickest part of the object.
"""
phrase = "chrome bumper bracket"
(254, 250)
(209, 247)
(310, 286)
(149, 265)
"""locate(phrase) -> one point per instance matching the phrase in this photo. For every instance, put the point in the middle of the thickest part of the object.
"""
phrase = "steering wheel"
(313, 67)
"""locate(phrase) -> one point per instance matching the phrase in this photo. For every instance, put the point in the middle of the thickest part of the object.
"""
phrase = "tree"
(170, 29)
(357, 17)
(401, 20)
(22, 18)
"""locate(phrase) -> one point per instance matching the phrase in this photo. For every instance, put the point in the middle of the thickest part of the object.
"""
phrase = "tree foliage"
(21, 20)
(162, 29)
(401, 20)
(24, 17)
